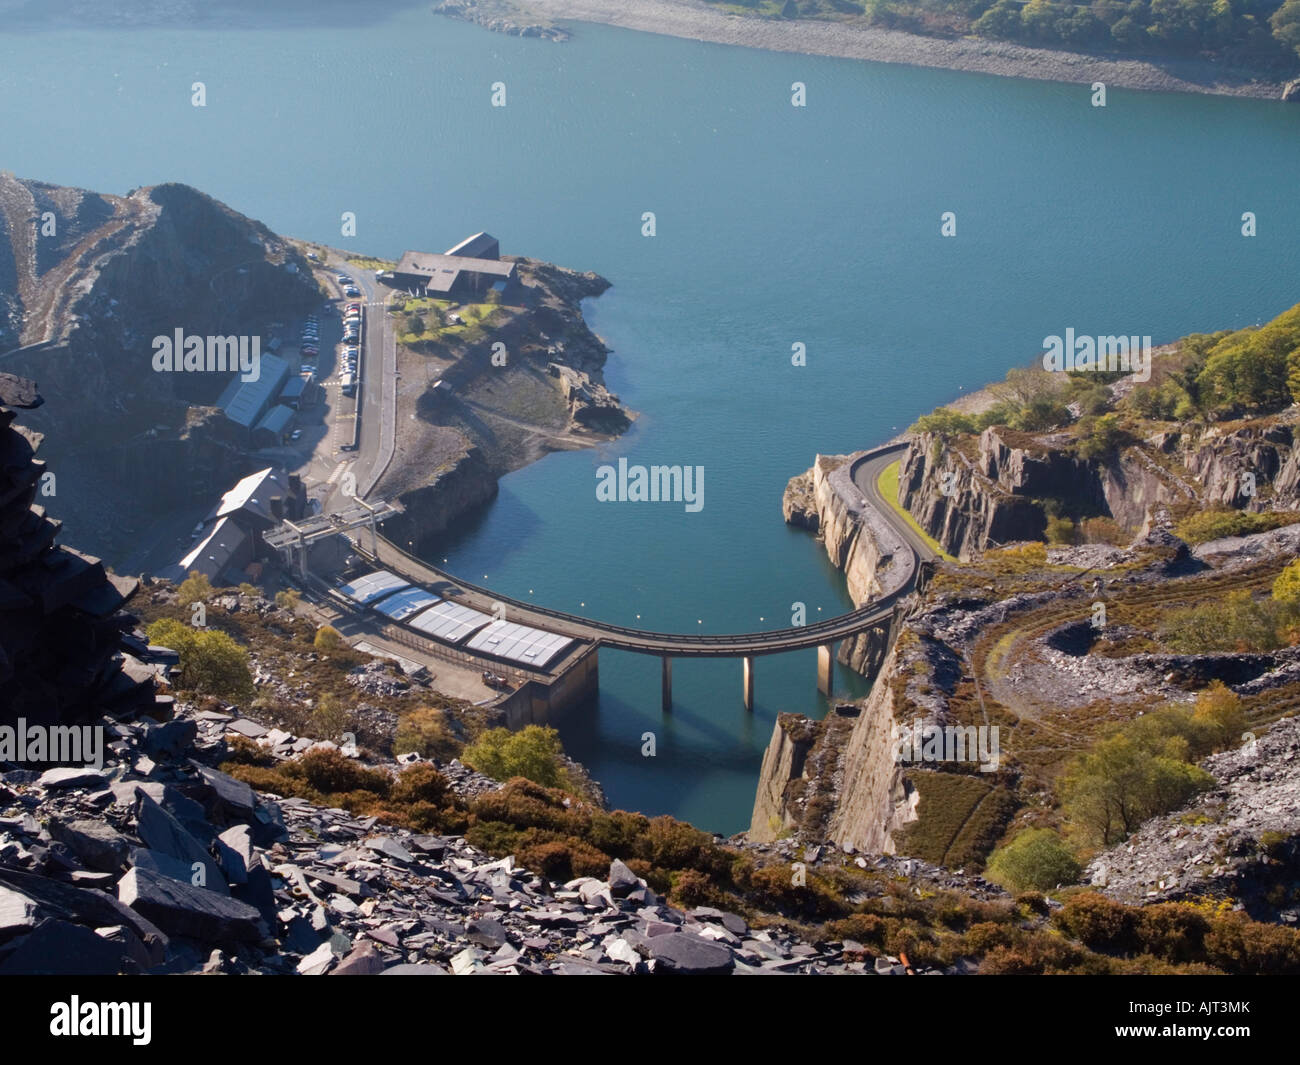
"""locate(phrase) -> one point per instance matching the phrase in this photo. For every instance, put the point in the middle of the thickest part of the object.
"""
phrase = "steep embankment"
(478, 406)
(86, 281)
(973, 493)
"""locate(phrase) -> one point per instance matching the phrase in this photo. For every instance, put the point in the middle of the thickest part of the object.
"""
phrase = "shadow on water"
(38, 15)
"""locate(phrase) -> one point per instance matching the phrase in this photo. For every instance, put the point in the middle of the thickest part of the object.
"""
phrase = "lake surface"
(776, 225)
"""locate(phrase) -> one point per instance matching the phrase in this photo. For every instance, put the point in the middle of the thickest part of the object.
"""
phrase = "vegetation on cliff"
(1259, 34)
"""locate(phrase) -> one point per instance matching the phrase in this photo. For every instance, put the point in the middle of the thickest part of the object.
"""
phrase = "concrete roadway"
(685, 645)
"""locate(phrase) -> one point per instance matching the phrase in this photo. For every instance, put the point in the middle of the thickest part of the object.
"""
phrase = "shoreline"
(694, 20)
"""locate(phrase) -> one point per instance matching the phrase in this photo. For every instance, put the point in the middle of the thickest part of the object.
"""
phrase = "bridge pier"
(668, 683)
(825, 669)
(748, 682)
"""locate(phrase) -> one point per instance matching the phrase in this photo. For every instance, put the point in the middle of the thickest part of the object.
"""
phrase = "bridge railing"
(621, 636)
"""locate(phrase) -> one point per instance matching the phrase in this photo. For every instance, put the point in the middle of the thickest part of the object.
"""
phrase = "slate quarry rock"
(60, 948)
(170, 740)
(98, 845)
(183, 910)
(685, 954)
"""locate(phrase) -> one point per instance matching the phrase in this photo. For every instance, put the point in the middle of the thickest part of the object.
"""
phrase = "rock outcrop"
(973, 495)
(66, 650)
(1240, 840)
(86, 281)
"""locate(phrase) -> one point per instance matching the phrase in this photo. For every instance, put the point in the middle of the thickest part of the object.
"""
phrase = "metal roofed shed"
(372, 586)
(408, 601)
(293, 390)
(519, 643)
(449, 621)
(273, 426)
(244, 402)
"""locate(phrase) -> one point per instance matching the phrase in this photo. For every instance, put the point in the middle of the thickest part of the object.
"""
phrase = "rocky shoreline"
(695, 20)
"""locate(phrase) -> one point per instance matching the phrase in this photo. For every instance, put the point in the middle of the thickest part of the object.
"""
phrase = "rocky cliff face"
(874, 561)
(835, 780)
(67, 654)
(86, 281)
(459, 487)
(971, 494)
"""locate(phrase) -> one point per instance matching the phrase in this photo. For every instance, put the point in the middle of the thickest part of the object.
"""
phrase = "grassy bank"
(887, 486)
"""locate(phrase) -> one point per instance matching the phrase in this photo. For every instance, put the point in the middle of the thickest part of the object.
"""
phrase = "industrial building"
(229, 540)
(468, 271)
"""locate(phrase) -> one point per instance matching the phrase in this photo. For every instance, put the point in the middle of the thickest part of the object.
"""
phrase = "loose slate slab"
(364, 960)
(234, 796)
(18, 913)
(98, 845)
(82, 906)
(160, 831)
(183, 910)
(171, 740)
(622, 881)
(679, 952)
(390, 848)
(72, 777)
(414, 970)
(485, 932)
(60, 948)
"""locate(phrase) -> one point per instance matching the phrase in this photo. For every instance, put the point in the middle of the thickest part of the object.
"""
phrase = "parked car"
(295, 434)
(494, 680)
(352, 290)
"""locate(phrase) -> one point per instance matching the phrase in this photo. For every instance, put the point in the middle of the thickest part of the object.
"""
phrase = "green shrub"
(533, 753)
(196, 588)
(944, 422)
(1060, 531)
(1237, 944)
(330, 719)
(1215, 524)
(425, 731)
(1237, 622)
(211, 662)
(1126, 778)
(419, 783)
(329, 639)
(1035, 858)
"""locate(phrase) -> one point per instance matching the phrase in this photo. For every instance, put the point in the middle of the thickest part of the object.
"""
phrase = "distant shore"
(696, 20)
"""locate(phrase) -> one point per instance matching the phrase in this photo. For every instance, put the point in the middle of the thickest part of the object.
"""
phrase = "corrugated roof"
(373, 586)
(479, 246)
(276, 420)
(244, 401)
(442, 270)
(519, 643)
(449, 621)
(406, 602)
(294, 388)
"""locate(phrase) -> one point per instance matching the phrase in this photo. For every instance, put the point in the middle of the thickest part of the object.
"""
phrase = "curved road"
(865, 472)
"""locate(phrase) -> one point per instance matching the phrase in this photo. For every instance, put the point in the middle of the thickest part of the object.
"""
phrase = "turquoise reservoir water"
(775, 226)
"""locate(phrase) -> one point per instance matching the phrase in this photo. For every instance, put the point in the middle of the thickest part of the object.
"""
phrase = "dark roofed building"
(466, 272)
(263, 499)
(273, 428)
(220, 555)
(479, 246)
(231, 536)
(244, 402)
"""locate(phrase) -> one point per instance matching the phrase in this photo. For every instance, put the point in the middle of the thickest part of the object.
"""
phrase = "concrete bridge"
(859, 492)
